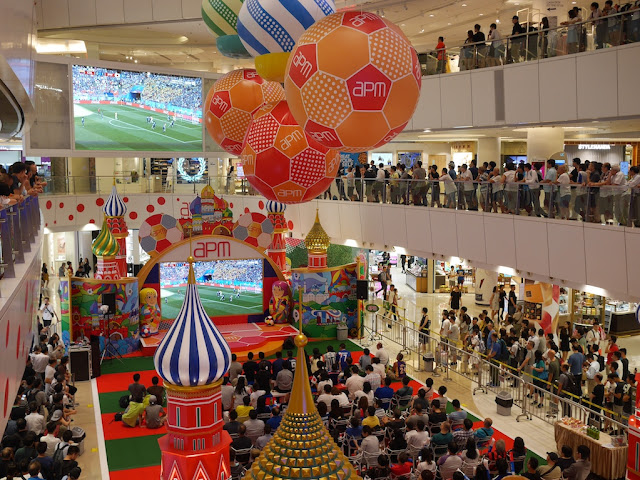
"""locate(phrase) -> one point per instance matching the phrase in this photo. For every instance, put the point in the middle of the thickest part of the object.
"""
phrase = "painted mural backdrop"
(64, 311)
(86, 319)
(328, 299)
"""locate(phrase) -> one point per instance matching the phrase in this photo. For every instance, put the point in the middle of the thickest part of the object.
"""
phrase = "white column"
(542, 142)
(488, 150)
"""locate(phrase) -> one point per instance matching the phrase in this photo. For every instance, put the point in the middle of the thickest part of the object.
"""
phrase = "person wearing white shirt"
(360, 393)
(35, 422)
(320, 387)
(255, 394)
(591, 372)
(379, 369)
(382, 354)
(47, 312)
(39, 361)
(418, 438)
(497, 188)
(633, 186)
(379, 185)
(449, 189)
(466, 177)
(50, 370)
(550, 176)
(226, 393)
(326, 396)
(341, 397)
(373, 378)
(355, 382)
(531, 179)
(495, 37)
(510, 187)
(454, 338)
(564, 191)
(620, 201)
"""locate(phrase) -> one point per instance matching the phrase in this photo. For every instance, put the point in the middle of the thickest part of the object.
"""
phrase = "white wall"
(560, 89)
(549, 250)
(427, 148)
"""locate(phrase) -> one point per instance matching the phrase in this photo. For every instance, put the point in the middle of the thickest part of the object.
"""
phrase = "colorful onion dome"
(301, 446)
(208, 192)
(105, 244)
(218, 204)
(196, 206)
(275, 207)
(227, 213)
(114, 207)
(193, 352)
(317, 239)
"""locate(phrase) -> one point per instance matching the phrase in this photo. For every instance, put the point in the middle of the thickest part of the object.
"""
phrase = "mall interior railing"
(19, 227)
(602, 204)
(442, 358)
(537, 43)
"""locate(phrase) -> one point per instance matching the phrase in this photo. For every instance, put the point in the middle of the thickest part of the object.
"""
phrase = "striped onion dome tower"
(114, 211)
(105, 247)
(192, 359)
(301, 448)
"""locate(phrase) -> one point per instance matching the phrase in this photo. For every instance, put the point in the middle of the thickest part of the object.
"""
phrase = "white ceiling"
(184, 41)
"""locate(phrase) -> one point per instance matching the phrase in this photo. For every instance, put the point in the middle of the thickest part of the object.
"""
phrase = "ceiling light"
(481, 14)
(422, 31)
(427, 130)
(402, 25)
(51, 46)
(449, 23)
(516, 3)
(382, 13)
(136, 60)
(497, 20)
(463, 5)
(431, 15)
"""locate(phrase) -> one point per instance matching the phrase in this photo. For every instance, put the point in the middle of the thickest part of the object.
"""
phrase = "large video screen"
(226, 287)
(136, 111)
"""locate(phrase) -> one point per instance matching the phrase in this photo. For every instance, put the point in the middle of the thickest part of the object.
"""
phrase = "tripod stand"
(110, 348)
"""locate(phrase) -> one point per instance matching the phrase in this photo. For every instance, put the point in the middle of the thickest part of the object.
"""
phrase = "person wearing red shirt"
(442, 55)
(611, 347)
(403, 467)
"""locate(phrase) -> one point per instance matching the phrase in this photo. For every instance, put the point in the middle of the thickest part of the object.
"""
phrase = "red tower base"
(201, 465)
(633, 459)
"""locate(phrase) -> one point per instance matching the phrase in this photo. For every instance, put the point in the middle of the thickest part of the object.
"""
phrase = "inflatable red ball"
(282, 162)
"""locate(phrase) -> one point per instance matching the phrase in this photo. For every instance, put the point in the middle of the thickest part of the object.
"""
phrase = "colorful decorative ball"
(270, 26)
(159, 232)
(145, 331)
(221, 16)
(282, 162)
(231, 46)
(271, 66)
(333, 91)
(231, 102)
(255, 229)
(269, 321)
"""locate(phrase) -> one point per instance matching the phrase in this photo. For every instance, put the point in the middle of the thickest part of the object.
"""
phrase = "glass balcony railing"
(19, 227)
(597, 203)
(539, 42)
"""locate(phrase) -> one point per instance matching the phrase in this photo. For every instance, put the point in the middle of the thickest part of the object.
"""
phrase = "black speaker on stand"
(362, 290)
(95, 356)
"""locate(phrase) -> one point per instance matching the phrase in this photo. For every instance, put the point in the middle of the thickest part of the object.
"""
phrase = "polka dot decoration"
(332, 91)
(70, 218)
(100, 202)
(49, 204)
(282, 162)
(260, 204)
(290, 225)
(61, 205)
(150, 208)
(80, 207)
(161, 200)
(133, 215)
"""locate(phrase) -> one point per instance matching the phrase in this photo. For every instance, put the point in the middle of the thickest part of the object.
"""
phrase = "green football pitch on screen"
(215, 300)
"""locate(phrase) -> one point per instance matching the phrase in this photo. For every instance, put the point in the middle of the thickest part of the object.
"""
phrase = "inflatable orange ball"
(353, 81)
(282, 162)
(232, 101)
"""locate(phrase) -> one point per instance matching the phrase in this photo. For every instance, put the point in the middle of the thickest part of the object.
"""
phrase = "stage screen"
(136, 111)
(226, 287)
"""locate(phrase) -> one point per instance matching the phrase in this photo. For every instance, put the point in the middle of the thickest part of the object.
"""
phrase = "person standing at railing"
(405, 179)
(601, 28)
(620, 195)
(496, 50)
(517, 39)
(613, 23)
(434, 178)
(633, 186)
(532, 183)
(449, 189)
(419, 184)
(466, 52)
(543, 38)
(550, 176)
(441, 55)
(605, 203)
(481, 47)
(466, 178)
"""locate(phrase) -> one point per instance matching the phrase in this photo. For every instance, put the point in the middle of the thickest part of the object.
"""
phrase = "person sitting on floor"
(158, 391)
(154, 414)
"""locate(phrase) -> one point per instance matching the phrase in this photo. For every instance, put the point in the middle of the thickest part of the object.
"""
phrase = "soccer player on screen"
(153, 125)
(171, 122)
(231, 298)
(164, 127)
(115, 115)
(83, 121)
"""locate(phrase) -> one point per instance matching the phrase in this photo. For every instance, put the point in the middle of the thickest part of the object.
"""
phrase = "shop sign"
(372, 308)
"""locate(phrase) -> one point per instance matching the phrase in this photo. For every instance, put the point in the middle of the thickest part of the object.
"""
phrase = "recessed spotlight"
(497, 20)
(449, 23)
(427, 130)
(481, 14)
(431, 15)
(422, 31)
(402, 25)
(463, 5)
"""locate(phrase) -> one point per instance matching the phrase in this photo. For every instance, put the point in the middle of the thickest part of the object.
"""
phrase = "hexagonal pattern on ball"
(334, 91)
(159, 232)
(231, 102)
(255, 229)
(286, 164)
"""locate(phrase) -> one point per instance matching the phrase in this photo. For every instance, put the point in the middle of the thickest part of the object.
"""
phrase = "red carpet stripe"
(117, 430)
(139, 473)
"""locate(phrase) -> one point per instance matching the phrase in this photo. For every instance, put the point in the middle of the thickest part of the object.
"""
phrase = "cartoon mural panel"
(328, 299)
(280, 302)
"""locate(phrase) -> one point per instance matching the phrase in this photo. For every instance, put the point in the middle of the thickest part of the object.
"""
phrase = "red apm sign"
(212, 249)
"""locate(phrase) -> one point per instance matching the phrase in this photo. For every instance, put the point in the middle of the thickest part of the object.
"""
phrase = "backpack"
(31, 395)
(124, 401)
(118, 417)
(58, 461)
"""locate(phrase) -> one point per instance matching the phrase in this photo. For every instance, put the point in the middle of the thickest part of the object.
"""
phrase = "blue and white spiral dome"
(273, 26)
(193, 353)
(275, 207)
(114, 207)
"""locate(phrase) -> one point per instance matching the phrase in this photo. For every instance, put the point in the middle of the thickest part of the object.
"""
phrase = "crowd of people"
(41, 439)
(157, 90)
(589, 191)
(19, 181)
(609, 26)
(577, 363)
(386, 431)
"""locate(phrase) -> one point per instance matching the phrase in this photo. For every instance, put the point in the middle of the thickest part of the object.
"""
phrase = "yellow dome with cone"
(105, 244)
(301, 446)
(317, 240)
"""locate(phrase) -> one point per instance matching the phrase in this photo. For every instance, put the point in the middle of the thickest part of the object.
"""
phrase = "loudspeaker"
(95, 356)
(110, 300)
(362, 292)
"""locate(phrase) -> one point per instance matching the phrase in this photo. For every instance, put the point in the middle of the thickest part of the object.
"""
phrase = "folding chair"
(243, 455)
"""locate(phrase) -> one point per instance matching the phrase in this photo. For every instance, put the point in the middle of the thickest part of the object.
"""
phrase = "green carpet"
(109, 402)
(133, 452)
(129, 364)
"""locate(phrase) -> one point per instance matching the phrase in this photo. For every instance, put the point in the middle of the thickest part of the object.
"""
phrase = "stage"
(242, 338)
